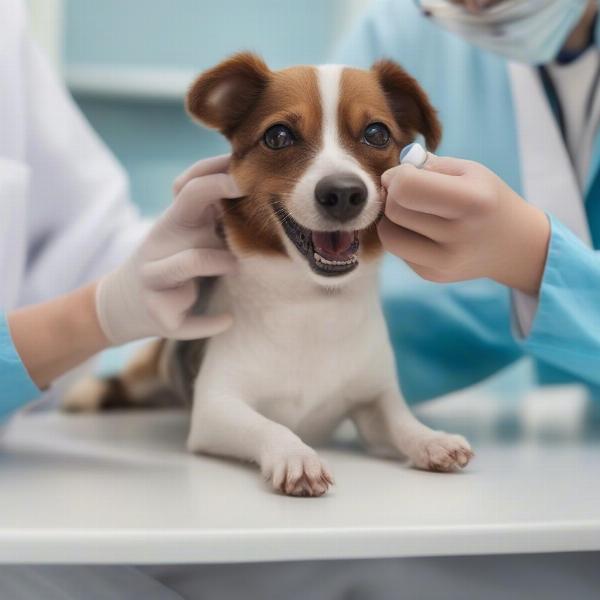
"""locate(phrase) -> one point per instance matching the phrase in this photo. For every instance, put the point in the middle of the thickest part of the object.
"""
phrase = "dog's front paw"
(441, 451)
(298, 472)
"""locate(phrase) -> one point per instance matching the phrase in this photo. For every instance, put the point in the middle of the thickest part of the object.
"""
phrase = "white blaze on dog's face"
(309, 145)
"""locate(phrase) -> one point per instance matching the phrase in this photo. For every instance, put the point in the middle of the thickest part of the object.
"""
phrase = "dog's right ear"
(408, 102)
(222, 96)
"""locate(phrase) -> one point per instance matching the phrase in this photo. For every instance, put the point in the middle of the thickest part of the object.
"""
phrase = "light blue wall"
(196, 33)
(156, 140)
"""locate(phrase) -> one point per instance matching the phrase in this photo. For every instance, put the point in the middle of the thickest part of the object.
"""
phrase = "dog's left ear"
(408, 102)
(222, 96)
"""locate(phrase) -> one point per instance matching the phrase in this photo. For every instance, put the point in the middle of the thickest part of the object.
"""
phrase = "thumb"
(415, 155)
(446, 165)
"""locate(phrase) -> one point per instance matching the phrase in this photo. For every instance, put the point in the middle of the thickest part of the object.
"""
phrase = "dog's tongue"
(333, 244)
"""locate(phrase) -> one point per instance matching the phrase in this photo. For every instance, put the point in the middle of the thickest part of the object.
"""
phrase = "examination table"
(119, 488)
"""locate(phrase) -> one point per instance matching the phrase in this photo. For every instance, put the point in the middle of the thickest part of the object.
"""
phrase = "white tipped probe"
(414, 154)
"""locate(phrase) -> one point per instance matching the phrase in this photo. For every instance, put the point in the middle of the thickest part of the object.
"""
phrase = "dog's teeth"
(334, 263)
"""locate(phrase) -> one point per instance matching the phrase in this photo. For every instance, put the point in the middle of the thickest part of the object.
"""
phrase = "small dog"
(309, 346)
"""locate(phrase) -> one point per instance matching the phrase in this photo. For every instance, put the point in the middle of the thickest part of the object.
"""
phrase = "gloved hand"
(455, 220)
(151, 294)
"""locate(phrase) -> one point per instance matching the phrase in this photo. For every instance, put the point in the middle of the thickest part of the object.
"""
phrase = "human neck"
(580, 36)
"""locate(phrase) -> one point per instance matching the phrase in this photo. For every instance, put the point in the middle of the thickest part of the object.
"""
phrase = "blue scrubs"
(450, 336)
(17, 386)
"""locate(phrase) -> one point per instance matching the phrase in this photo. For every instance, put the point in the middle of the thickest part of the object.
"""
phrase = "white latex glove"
(152, 293)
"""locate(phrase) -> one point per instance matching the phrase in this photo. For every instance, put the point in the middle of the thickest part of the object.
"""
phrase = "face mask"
(529, 31)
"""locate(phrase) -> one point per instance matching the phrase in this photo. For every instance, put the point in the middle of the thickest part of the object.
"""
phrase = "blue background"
(154, 139)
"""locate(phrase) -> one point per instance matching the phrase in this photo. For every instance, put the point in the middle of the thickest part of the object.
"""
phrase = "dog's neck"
(276, 298)
(278, 280)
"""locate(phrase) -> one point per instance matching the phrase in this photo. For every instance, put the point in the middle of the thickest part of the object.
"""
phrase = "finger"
(430, 192)
(439, 164)
(446, 165)
(167, 239)
(195, 327)
(407, 244)
(203, 237)
(179, 268)
(389, 175)
(206, 166)
(182, 238)
(430, 226)
(167, 308)
(428, 273)
(191, 207)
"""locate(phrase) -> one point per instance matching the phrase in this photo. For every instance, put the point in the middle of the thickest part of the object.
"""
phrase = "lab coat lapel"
(14, 174)
(14, 179)
(549, 181)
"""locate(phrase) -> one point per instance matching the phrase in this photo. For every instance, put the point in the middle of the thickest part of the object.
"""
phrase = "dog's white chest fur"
(300, 354)
(299, 359)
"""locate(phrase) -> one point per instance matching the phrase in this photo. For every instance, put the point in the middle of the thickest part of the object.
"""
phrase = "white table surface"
(120, 488)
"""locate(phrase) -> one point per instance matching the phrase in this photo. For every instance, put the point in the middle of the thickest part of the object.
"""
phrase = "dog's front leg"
(230, 427)
(388, 423)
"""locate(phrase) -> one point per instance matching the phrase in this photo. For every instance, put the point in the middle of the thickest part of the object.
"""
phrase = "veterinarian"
(66, 220)
(516, 83)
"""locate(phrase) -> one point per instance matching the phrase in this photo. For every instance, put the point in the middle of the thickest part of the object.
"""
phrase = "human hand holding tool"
(454, 220)
(152, 293)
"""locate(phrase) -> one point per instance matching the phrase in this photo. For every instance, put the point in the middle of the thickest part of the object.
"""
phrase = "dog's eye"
(376, 134)
(278, 137)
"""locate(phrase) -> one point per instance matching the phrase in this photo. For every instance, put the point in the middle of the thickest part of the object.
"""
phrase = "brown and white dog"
(309, 345)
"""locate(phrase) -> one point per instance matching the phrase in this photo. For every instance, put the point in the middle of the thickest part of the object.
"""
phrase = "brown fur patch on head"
(363, 102)
(385, 94)
(221, 97)
(266, 175)
(251, 99)
(409, 103)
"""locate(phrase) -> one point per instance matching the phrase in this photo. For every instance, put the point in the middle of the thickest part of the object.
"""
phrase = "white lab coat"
(65, 213)
(65, 219)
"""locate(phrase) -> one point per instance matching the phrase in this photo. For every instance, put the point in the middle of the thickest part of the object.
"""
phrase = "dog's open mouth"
(328, 253)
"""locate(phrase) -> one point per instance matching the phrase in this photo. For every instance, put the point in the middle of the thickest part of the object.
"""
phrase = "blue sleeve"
(565, 332)
(445, 337)
(388, 29)
(16, 386)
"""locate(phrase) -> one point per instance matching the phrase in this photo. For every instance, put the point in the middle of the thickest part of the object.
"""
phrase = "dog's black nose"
(341, 196)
